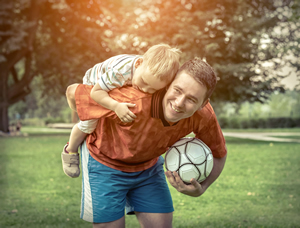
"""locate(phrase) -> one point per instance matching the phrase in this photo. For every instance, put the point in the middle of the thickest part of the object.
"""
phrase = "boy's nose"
(147, 90)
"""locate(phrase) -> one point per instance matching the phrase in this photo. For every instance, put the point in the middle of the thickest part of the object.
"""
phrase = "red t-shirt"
(136, 146)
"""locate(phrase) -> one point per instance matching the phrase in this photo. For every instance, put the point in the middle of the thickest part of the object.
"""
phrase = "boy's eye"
(143, 81)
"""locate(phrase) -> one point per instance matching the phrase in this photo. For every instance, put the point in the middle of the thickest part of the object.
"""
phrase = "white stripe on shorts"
(86, 212)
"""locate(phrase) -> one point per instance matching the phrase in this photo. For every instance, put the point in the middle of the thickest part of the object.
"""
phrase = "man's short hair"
(202, 72)
(162, 61)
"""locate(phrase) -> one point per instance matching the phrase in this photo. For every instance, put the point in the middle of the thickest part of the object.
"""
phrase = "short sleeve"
(207, 129)
(112, 79)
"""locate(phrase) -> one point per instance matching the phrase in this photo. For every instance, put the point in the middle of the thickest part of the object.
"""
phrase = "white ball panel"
(196, 153)
(184, 159)
(187, 172)
(172, 160)
(181, 148)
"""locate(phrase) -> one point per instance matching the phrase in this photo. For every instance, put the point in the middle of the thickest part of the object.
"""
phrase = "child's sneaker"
(70, 163)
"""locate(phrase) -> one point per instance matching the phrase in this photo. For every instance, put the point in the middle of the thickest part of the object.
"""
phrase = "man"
(121, 162)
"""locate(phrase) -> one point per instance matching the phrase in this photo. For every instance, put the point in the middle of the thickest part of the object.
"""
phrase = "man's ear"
(138, 62)
(205, 103)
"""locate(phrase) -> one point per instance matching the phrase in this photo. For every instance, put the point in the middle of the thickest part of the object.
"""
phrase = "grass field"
(259, 187)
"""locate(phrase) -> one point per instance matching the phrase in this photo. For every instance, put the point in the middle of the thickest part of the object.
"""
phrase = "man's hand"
(123, 112)
(194, 189)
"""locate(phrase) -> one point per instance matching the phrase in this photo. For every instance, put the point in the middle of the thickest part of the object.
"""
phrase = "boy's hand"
(123, 112)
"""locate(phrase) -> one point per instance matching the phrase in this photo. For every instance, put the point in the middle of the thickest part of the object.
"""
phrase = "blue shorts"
(107, 192)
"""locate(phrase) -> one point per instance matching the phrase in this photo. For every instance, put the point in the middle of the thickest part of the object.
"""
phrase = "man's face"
(183, 98)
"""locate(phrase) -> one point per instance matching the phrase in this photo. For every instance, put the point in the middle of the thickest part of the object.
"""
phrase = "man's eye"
(192, 101)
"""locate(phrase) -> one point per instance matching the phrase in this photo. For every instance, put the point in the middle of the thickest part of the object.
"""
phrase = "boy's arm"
(121, 109)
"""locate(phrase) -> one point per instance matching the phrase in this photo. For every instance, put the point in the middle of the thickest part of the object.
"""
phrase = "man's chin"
(172, 119)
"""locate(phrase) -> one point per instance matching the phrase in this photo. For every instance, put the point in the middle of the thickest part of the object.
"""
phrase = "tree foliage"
(236, 37)
(60, 39)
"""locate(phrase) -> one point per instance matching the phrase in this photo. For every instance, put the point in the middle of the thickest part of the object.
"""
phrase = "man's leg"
(157, 220)
(70, 93)
(120, 223)
(103, 195)
(150, 199)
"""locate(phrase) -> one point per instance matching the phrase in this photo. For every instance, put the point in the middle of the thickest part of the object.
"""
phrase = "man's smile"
(176, 110)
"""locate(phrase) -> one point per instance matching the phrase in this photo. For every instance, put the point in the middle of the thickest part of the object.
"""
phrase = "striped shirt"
(113, 73)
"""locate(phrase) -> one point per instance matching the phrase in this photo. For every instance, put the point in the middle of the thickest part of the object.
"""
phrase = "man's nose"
(179, 101)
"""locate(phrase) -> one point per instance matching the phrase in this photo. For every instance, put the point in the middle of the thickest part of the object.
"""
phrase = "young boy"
(148, 73)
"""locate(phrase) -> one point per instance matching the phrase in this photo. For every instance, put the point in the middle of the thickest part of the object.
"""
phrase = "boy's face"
(144, 80)
(183, 98)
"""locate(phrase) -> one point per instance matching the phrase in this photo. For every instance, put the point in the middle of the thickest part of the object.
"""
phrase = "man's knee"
(120, 223)
(157, 220)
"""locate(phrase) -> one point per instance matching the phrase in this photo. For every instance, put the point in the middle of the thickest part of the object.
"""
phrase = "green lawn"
(287, 137)
(263, 130)
(259, 187)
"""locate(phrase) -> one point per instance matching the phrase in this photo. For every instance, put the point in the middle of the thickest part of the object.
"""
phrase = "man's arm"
(195, 189)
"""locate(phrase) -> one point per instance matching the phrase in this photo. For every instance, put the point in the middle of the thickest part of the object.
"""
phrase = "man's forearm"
(215, 173)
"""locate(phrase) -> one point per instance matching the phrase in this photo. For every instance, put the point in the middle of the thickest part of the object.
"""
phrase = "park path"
(262, 136)
(265, 136)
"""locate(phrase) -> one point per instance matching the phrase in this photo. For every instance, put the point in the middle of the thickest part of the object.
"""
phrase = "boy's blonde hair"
(162, 61)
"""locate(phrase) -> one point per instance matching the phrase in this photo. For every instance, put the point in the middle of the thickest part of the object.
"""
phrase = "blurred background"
(253, 45)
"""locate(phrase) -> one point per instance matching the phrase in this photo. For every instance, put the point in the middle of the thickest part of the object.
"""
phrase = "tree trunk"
(12, 93)
(4, 119)
(4, 123)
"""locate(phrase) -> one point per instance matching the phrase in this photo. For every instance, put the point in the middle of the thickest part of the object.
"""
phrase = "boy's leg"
(70, 156)
(76, 138)
(157, 220)
(70, 93)
(70, 163)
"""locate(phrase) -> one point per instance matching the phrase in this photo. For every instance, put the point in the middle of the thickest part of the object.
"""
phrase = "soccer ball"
(190, 158)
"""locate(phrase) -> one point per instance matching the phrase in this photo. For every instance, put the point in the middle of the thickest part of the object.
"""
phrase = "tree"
(72, 37)
(64, 38)
(57, 39)
(18, 26)
(235, 37)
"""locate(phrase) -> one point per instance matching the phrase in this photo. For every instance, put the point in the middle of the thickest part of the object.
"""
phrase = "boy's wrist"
(114, 106)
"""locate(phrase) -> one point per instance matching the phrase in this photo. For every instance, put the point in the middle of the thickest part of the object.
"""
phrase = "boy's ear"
(138, 62)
